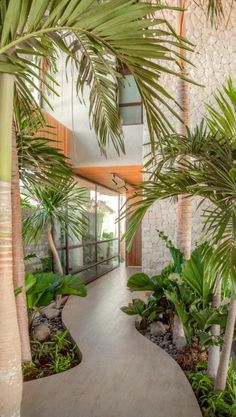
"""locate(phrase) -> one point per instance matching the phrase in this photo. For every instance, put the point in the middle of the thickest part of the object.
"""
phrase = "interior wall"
(214, 60)
(73, 112)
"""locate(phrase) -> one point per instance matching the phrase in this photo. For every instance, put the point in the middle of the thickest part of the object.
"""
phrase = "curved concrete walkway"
(122, 373)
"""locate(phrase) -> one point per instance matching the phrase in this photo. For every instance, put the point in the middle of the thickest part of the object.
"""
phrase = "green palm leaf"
(94, 36)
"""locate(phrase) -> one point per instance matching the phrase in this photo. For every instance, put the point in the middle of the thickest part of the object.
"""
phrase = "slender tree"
(10, 352)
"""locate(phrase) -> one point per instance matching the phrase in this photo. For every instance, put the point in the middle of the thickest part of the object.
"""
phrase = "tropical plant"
(42, 288)
(34, 29)
(184, 288)
(210, 175)
(63, 205)
(52, 356)
(214, 403)
(33, 161)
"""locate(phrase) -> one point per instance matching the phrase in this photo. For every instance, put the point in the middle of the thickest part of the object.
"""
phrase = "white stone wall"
(214, 59)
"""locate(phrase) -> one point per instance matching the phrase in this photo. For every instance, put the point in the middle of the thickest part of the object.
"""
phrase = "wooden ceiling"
(130, 174)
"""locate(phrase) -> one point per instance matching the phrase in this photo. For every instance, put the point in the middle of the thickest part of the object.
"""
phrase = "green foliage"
(184, 288)
(222, 117)
(146, 311)
(42, 287)
(38, 160)
(214, 403)
(198, 276)
(136, 34)
(46, 261)
(64, 204)
(56, 355)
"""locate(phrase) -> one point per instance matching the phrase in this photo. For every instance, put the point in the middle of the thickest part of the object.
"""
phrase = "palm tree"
(101, 33)
(49, 205)
(33, 161)
(210, 175)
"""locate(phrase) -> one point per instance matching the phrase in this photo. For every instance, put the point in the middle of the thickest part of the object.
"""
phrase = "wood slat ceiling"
(103, 175)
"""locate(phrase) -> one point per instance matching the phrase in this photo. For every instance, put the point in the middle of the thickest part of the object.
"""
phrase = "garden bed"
(193, 361)
(53, 350)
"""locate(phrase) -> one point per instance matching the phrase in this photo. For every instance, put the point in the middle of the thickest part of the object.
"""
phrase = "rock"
(157, 328)
(41, 332)
(50, 312)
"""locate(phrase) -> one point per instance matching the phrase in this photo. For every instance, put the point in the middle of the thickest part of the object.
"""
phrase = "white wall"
(73, 113)
(214, 59)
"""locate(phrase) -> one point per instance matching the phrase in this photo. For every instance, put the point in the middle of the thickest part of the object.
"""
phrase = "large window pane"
(129, 92)
(131, 114)
(81, 257)
(107, 249)
(107, 266)
(89, 217)
(107, 213)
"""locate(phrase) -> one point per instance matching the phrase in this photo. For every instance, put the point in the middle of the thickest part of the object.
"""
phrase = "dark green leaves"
(42, 287)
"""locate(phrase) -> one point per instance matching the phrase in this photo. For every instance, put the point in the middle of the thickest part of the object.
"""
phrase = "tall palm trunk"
(18, 254)
(56, 259)
(184, 206)
(10, 353)
(221, 377)
(214, 351)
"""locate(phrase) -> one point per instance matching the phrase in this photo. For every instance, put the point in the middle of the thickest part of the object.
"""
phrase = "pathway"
(122, 373)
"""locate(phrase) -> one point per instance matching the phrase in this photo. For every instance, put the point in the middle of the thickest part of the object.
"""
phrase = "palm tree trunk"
(18, 255)
(10, 352)
(214, 351)
(56, 260)
(184, 205)
(221, 377)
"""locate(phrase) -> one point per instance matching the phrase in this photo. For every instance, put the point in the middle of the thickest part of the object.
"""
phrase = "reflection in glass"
(107, 213)
(97, 251)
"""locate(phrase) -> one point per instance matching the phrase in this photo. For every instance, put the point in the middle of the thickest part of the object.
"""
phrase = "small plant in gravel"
(53, 356)
(214, 403)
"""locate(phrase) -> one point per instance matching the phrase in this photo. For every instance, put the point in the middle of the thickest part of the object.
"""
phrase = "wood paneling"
(134, 257)
(60, 134)
(132, 174)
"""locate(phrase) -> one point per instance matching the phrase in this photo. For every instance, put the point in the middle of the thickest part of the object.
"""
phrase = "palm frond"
(38, 161)
(134, 33)
(64, 205)
(221, 118)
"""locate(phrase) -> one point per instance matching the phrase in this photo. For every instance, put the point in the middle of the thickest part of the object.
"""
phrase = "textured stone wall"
(214, 58)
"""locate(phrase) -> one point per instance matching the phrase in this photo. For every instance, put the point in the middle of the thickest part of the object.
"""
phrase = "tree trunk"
(10, 352)
(214, 351)
(56, 260)
(18, 255)
(221, 377)
(184, 205)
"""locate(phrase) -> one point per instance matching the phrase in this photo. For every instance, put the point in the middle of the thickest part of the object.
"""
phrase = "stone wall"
(214, 59)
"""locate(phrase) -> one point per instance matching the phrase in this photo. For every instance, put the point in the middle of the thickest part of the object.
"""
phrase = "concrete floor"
(122, 373)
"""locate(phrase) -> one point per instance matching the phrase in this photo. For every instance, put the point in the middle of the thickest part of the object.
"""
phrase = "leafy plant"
(214, 403)
(184, 288)
(50, 357)
(43, 287)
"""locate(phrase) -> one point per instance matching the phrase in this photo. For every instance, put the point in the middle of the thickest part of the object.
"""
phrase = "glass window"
(107, 249)
(107, 213)
(81, 257)
(97, 251)
(131, 110)
(89, 217)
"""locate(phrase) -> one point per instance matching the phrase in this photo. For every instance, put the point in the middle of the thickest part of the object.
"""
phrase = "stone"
(50, 312)
(41, 332)
(157, 328)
